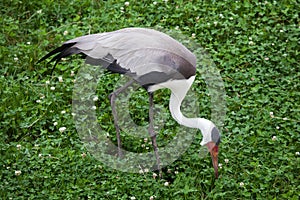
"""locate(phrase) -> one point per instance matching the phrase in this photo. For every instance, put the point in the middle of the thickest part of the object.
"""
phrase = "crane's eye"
(215, 136)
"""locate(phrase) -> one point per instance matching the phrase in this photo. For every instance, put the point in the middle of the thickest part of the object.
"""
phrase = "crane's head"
(212, 139)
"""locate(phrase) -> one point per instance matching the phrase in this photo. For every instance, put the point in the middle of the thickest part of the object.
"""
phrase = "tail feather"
(62, 51)
(107, 62)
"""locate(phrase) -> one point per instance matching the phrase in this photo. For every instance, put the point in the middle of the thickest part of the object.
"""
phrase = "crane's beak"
(214, 150)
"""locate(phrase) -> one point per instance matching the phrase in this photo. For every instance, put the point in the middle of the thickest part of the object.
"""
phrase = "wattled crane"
(155, 61)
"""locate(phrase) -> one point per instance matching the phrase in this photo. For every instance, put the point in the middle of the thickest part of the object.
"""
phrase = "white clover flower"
(126, 3)
(285, 118)
(242, 184)
(166, 183)
(52, 88)
(16, 58)
(18, 172)
(94, 107)
(83, 155)
(65, 32)
(28, 43)
(60, 79)
(251, 43)
(72, 73)
(132, 198)
(281, 31)
(62, 129)
(176, 172)
(154, 175)
(154, 3)
(39, 11)
(274, 138)
(38, 101)
(177, 27)
(55, 124)
(277, 127)
(226, 160)
(95, 98)
(220, 165)
(63, 112)
(215, 23)
(266, 58)
(231, 18)
(272, 114)
(40, 155)
(193, 35)
(141, 171)
(146, 170)
(145, 140)
(47, 82)
(19, 146)
(297, 153)
(221, 15)
(151, 198)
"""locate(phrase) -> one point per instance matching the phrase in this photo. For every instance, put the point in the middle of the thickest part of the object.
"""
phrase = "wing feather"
(137, 50)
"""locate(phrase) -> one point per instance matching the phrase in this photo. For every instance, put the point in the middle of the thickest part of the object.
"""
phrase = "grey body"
(148, 56)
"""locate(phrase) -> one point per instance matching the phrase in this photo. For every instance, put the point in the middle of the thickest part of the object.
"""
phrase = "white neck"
(177, 95)
(179, 89)
(174, 106)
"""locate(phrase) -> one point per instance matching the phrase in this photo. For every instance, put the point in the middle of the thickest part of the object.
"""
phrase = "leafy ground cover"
(254, 44)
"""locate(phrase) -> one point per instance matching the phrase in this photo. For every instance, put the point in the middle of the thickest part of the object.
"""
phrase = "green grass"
(254, 45)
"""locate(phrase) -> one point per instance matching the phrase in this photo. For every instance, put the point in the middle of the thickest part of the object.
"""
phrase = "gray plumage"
(148, 56)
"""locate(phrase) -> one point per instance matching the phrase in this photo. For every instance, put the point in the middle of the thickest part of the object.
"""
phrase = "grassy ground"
(254, 44)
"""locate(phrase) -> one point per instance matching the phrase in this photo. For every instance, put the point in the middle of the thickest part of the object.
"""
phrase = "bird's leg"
(112, 98)
(153, 134)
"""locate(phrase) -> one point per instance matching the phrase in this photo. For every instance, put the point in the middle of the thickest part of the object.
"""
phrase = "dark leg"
(112, 98)
(152, 133)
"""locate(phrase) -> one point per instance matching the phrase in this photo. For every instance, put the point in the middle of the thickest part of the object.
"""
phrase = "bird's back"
(149, 56)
